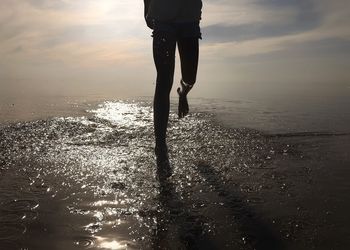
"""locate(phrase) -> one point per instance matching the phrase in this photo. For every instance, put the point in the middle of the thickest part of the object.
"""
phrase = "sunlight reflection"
(104, 243)
(103, 169)
(105, 202)
(124, 114)
(98, 215)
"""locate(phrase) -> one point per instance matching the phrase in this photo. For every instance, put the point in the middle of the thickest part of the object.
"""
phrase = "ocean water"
(80, 174)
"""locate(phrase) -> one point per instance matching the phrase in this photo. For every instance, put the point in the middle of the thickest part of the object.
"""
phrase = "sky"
(87, 47)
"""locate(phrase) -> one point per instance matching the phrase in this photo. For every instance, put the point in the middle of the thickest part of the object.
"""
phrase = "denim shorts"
(177, 29)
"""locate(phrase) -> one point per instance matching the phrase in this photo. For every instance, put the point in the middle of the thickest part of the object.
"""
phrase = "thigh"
(189, 50)
(164, 46)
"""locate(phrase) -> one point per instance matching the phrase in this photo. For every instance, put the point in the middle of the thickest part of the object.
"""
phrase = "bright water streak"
(100, 169)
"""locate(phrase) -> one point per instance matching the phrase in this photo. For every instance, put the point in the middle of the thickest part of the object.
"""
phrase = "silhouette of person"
(174, 22)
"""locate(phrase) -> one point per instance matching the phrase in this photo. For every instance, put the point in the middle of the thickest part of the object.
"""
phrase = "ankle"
(185, 87)
(161, 148)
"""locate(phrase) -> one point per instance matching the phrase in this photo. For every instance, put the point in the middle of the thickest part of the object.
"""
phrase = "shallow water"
(89, 182)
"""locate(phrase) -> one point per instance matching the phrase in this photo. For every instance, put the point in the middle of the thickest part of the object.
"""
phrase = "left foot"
(164, 169)
(183, 103)
(163, 165)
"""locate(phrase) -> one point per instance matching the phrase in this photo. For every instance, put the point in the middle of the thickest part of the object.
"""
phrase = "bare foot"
(183, 103)
(164, 169)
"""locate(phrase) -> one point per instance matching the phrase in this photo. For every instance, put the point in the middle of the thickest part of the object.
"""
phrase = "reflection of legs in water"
(188, 50)
(164, 57)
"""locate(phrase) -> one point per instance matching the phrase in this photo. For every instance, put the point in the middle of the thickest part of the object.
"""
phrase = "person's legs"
(188, 50)
(164, 45)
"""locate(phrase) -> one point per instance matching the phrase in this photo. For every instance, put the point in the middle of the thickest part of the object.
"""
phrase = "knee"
(163, 89)
(164, 82)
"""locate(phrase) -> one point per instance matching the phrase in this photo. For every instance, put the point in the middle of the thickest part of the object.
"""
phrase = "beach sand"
(88, 181)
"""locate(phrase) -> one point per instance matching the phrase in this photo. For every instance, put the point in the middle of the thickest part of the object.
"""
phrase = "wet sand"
(89, 182)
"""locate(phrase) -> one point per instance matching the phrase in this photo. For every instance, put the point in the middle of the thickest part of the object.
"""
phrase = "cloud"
(239, 28)
(267, 18)
(69, 31)
(96, 54)
(249, 11)
(311, 21)
(72, 37)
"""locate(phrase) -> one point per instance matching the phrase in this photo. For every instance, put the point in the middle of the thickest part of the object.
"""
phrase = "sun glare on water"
(110, 245)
